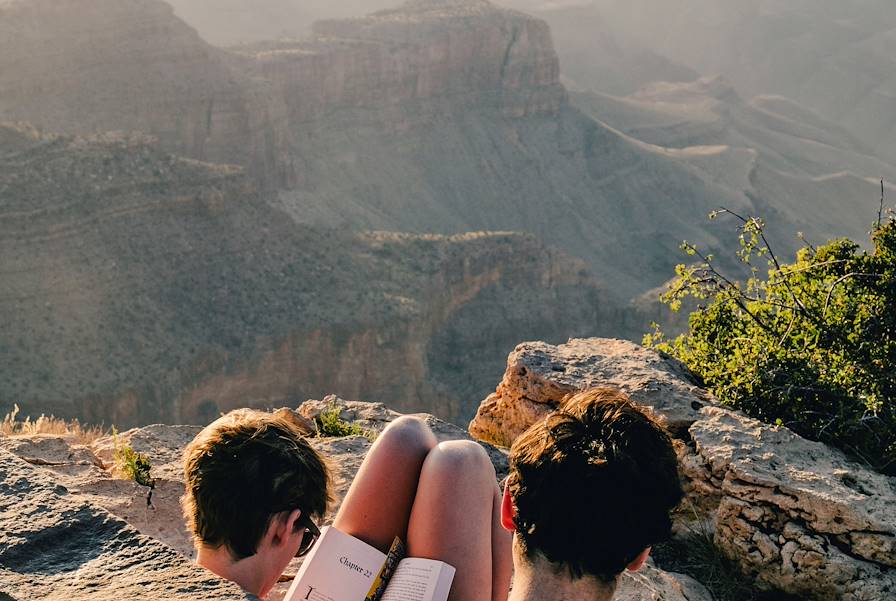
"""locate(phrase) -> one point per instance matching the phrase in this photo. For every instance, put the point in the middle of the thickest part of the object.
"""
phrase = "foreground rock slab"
(57, 546)
(45, 463)
(653, 584)
(798, 516)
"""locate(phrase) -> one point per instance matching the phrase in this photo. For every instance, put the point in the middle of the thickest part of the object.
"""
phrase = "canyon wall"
(450, 54)
(138, 286)
(84, 67)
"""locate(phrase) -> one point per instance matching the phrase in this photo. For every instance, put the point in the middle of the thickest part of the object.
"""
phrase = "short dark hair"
(593, 485)
(243, 469)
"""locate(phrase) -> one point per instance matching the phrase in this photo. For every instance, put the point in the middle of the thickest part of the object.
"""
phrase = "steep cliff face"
(81, 67)
(452, 54)
(442, 116)
(132, 65)
(139, 287)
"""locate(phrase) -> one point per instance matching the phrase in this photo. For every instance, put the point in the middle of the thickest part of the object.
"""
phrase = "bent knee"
(459, 459)
(408, 434)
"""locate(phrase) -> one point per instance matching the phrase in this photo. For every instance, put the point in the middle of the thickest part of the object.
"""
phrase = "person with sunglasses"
(255, 489)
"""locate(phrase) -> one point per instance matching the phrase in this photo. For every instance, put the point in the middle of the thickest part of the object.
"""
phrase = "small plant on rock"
(135, 466)
(330, 424)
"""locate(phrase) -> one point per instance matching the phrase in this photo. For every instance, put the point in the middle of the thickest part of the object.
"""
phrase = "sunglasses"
(309, 535)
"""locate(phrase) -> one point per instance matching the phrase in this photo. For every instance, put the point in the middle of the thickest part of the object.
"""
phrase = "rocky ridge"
(797, 515)
(443, 116)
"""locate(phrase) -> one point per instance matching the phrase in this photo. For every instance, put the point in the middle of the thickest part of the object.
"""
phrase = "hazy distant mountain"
(440, 116)
(816, 177)
(593, 55)
(837, 57)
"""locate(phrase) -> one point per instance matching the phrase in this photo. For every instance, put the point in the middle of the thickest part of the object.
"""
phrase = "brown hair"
(243, 469)
(593, 484)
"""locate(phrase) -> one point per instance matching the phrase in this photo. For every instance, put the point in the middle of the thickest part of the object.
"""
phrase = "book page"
(419, 580)
(339, 568)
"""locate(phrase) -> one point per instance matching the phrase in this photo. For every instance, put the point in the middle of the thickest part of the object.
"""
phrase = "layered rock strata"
(796, 514)
(86, 67)
(134, 66)
(138, 287)
(452, 54)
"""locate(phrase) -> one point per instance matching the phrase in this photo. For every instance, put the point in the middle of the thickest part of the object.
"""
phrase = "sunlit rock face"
(70, 486)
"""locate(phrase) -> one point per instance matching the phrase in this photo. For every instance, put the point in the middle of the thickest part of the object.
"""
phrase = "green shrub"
(135, 466)
(811, 345)
(330, 424)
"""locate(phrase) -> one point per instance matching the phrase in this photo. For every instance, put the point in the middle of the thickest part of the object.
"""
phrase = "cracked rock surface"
(797, 515)
(58, 546)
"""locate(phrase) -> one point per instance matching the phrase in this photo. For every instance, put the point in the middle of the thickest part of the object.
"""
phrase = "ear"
(282, 526)
(508, 511)
(638, 561)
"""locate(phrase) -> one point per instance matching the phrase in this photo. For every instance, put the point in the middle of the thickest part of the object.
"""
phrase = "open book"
(342, 568)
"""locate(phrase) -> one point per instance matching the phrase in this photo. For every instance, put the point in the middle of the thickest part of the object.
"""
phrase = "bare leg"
(453, 520)
(377, 507)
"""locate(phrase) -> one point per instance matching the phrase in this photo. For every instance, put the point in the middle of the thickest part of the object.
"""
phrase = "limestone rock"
(57, 546)
(56, 459)
(652, 584)
(540, 375)
(797, 515)
(71, 462)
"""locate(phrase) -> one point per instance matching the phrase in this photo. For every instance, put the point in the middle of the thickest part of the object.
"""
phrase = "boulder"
(374, 417)
(58, 546)
(797, 515)
(540, 375)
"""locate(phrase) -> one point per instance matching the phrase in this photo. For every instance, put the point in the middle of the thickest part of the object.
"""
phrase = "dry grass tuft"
(83, 434)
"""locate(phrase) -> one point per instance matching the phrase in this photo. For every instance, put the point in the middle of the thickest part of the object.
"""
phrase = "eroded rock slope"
(138, 287)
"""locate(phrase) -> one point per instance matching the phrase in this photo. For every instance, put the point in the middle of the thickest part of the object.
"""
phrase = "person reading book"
(590, 490)
(256, 490)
